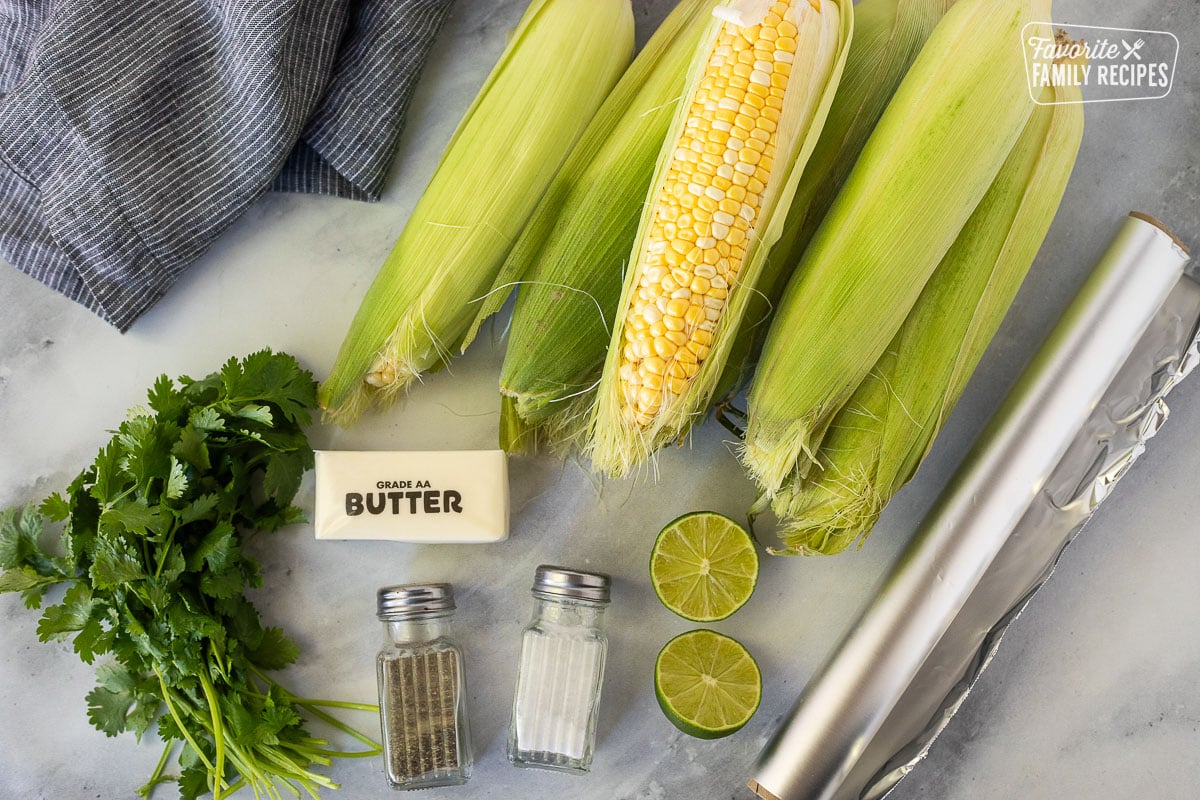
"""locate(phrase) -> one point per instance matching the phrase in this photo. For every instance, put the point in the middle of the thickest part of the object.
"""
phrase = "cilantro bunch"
(151, 552)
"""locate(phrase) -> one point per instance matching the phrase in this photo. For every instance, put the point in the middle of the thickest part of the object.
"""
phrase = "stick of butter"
(447, 496)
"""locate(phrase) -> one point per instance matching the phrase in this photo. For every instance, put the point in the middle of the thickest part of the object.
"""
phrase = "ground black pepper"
(420, 714)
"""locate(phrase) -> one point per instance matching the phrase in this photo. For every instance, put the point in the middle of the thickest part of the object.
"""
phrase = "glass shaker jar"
(560, 672)
(422, 693)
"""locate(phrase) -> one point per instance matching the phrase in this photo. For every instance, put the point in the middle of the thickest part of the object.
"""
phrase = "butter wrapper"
(458, 497)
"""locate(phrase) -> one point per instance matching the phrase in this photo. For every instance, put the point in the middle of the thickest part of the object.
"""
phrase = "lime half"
(707, 684)
(704, 566)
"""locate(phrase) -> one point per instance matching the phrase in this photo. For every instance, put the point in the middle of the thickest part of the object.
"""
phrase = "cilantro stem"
(245, 764)
(179, 721)
(289, 767)
(370, 708)
(218, 733)
(350, 754)
(313, 707)
(157, 777)
(376, 747)
(165, 549)
(305, 701)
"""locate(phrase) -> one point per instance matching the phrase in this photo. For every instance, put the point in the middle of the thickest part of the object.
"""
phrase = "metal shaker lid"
(413, 600)
(561, 583)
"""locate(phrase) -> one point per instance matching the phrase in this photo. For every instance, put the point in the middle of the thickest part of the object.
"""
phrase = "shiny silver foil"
(1072, 426)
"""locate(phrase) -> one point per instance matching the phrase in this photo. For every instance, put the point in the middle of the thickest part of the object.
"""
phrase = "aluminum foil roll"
(1072, 425)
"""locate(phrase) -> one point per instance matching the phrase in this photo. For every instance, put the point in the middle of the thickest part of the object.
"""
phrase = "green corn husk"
(888, 36)
(617, 445)
(935, 152)
(570, 257)
(561, 62)
(880, 437)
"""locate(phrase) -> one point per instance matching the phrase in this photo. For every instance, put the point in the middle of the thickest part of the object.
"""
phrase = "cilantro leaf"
(92, 640)
(122, 701)
(193, 781)
(225, 584)
(107, 709)
(190, 624)
(207, 419)
(22, 578)
(282, 478)
(273, 520)
(107, 480)
(70, 615)
(257, 413)
(145, 441)
(242, 620)
(217, 549)
(55, 508)
(167, 729)
(19, 532)
(173, 566)
(200, 508)
(192, 447)
(142, 715)
(29, 583)
(165, 399)
(114, 565)
(135, 516)
(274, 720)
(177, 480)
(277, 379)
(275, 651)
(115, 678)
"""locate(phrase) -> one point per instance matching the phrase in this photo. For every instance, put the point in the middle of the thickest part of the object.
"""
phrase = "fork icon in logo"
(1132, 50)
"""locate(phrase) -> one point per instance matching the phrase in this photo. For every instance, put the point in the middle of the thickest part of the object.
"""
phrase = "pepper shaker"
(560, 672)
(426, 742)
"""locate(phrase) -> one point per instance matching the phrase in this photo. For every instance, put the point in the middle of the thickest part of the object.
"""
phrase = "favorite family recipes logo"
(1107, 64)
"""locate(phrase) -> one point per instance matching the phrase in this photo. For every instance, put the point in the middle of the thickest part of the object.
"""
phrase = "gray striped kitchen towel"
(133, 132)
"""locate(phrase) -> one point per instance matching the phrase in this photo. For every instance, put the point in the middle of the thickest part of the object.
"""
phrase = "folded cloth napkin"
(132, 133)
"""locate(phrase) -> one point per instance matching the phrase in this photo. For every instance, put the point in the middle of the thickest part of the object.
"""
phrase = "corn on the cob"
(888, 35)
(879, 438)
(937, 149)
(561, 62)
(570, 257)
(756, 101)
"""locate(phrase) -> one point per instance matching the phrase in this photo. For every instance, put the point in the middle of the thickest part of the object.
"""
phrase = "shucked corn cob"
(888, 35)
(879, 438)
(561, 62)
(570, 257)
(935, 152)
(729, 168)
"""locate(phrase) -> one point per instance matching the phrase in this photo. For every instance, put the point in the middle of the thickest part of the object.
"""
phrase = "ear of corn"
(888, 36)
(879, 438)
(936, 150)
(560, 63)
(571, 255)
(758, 94)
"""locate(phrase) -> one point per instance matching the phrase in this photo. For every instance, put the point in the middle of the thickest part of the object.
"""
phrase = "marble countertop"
(1092, 695)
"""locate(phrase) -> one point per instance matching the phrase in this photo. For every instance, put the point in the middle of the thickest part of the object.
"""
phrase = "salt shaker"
(422, 707)
(560, 672)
